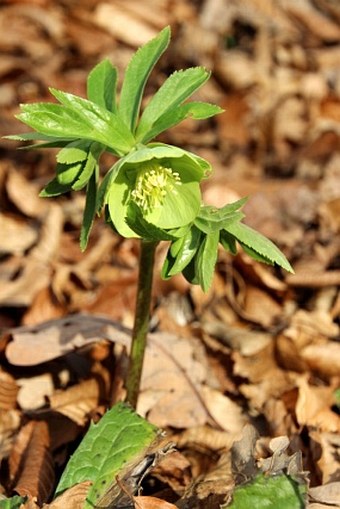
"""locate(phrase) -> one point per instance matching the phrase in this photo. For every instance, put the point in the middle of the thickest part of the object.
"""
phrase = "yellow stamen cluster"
(153, 182)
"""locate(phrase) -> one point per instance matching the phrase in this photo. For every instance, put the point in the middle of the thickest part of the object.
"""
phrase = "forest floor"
(259, 351)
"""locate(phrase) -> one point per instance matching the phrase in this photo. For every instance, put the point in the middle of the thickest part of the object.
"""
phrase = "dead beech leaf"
(8, 391)
(327, 493)
(73, 498)
(35, 272)
(174, 371)
(78, 401)
(9, 424)
(24, 195)
(30, 463)
(34, 391)
(16, 236)
(226, 412)
(152, 503)
(123, 24)
(325, 449)
(313, 407)
(35, 344)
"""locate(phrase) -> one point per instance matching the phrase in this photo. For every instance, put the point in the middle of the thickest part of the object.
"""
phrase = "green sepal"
(142, 228)
(101, 85)
(136, 75)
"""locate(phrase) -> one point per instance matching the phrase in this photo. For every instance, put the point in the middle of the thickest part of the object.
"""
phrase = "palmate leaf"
(136, 76)
(176, 89)
(257, 242)
(181, 252)
(111, 448)
(101, 85)
(172, 117)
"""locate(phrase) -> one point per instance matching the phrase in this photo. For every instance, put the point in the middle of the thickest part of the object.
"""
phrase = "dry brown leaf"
(30, 463)
(174, 470)
(9, 424)
(78, 401)
(313, 407)
(24, 195)
(328, 493)
(73, 498)
(325, 449)
(174, 371)
(225, 412)
(152, 503)
(123, 24)
(16, 236)
(36, 266)
(8, 391)
(34, 390)
(33, 345)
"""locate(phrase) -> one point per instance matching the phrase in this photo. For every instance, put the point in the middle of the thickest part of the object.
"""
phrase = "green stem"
(142, 318)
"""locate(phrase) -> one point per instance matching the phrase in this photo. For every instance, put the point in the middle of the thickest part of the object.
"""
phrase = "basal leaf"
(172, 117)
(269, 492)
(137, 74)
(90, 210)
(13, 502)
(111, 448)
(101, 85)
(176, 89)
(258, 243)
(205, 260)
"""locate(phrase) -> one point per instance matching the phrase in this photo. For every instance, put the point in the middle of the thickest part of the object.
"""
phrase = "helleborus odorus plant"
(153, 190)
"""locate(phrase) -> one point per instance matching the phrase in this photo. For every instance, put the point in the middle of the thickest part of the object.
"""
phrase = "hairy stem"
(142, 318)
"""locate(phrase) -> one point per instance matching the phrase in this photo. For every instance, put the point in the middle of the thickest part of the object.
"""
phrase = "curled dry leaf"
(73, 498)
(9, 424)
(30, 464)
(313, 407)
(8, 391)
(16, 236)
(327, 494)
(152, 503)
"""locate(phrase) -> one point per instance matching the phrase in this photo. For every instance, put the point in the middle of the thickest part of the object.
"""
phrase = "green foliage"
(153, 190)
(111, 448)
(12, 503)
(269, 492)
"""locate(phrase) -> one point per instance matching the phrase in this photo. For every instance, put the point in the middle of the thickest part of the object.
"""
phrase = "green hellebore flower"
(163, 181)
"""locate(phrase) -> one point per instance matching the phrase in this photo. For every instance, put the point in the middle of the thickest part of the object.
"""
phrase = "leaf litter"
(254, 359)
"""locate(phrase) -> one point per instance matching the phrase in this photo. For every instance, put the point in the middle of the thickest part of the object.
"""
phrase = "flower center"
(153, 183)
